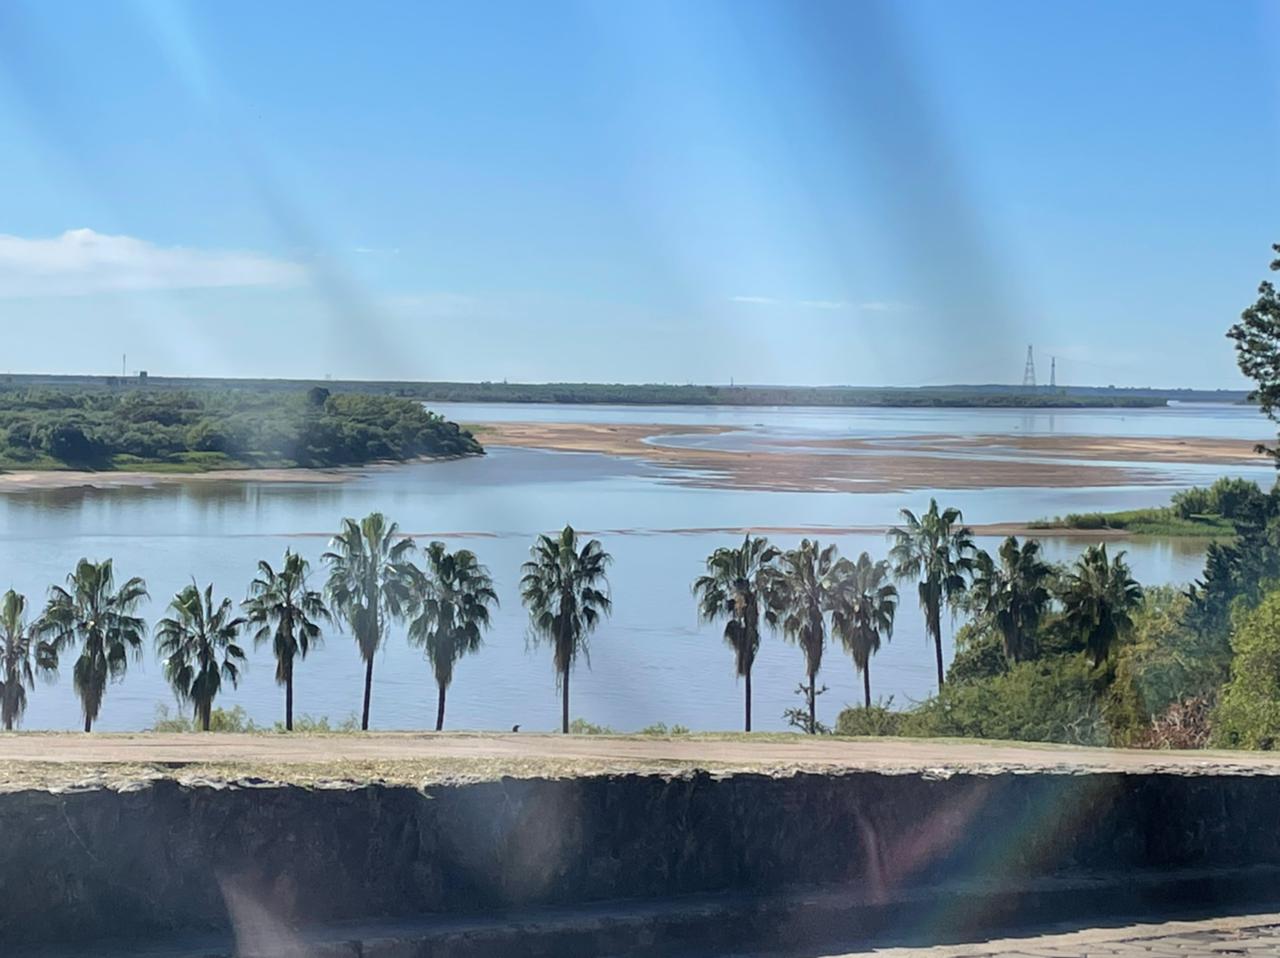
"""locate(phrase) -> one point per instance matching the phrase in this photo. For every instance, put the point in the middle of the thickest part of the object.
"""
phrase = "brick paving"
(1249, 935)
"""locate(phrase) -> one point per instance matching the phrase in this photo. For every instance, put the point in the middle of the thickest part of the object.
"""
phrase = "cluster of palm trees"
(810, 592)
(372, 583)
(806, 593)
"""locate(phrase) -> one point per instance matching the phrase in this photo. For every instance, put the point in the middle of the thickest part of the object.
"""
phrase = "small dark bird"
(515, 728)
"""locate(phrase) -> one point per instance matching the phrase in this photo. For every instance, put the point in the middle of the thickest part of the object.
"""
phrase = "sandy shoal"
(894, 464)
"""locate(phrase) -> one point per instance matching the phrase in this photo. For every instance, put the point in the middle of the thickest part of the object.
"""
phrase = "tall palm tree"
(936, 549)
(288, 613)
(22, 654)
(1014, 593)
(1099, 597)
(799, 596)
(369, 585)
(863, 604)
(91, 611)
(452, 598)
(566, 590)
(197, 645)
(735, 588)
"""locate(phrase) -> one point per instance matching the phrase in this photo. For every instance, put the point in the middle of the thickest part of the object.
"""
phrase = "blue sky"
(901, 193)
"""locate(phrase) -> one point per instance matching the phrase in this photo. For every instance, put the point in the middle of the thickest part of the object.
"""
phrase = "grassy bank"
(1159, 521)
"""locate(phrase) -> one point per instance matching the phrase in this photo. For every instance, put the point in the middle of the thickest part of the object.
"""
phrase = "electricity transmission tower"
(1029, 371)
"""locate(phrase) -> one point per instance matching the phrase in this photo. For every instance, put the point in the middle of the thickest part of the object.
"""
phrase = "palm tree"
(1014, 593)
(369, 585)
(735, 588)
(935, 548)
(22, 654)
(197, 645)
(452, 599)
(799, 596)
(91, 611)
(1099, 598)
(566, 590)
(863, 604)
(289, 614)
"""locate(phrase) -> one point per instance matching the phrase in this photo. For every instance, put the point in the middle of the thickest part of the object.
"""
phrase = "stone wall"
(168, 857)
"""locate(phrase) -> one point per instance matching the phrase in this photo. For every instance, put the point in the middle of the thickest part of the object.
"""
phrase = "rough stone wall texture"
(166, 857)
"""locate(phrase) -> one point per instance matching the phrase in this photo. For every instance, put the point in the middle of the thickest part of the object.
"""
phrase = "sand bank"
(892, 464)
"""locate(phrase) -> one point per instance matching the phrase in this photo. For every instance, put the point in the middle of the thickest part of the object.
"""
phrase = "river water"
(651, 661)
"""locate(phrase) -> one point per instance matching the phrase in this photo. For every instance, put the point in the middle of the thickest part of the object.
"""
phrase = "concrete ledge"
(806, 921)
(166, 859)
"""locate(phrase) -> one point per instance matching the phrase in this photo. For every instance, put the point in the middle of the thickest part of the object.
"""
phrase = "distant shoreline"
(959, 395)
(16, 480)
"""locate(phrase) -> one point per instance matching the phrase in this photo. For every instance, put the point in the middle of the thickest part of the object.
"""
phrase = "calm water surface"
(651, 661)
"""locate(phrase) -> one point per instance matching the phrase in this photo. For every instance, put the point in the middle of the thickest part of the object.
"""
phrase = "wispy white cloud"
(874, 306)
(376, 251)
(82, 261)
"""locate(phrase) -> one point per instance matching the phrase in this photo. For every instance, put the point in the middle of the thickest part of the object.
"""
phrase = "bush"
(581, 726)
(660, 728)
(220, 720)
(321, 724)
(1248, 714)
(1052, 699)
(1162, 663)
(979, 654)
(1229, 497)
(880, 719)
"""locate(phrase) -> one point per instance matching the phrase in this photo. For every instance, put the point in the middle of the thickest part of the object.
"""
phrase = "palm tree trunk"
(866, 683)
(937, 648)
(440, 708)
(288, 697)
(747, 724)
(564, 706)
(206, 712)
(88, 724)
(368, 690)
(813, 711)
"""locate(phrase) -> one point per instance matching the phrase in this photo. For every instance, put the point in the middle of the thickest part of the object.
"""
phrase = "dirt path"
(41, 758)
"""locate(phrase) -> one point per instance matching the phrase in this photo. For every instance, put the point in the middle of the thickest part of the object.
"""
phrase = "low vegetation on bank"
(168, 431)
(1210, 513)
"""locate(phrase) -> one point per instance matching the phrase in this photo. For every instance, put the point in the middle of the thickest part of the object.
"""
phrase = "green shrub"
(880, 719)
(979, 654)
(220, 720)
(660, 728)
(1248, 714)
(581, 726)
(1052, 699)
(1162, 663)
(311, 723)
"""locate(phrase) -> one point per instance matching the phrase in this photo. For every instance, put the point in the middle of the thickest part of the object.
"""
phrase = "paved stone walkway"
(1249, 935)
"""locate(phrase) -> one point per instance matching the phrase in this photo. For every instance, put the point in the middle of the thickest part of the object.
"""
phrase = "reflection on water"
(651, 662)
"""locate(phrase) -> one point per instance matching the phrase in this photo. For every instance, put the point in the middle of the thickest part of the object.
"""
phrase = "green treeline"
(191, 431)
(693, 395)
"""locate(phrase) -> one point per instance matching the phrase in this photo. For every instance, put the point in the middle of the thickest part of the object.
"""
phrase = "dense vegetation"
(190, 431)
(1198, 513)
